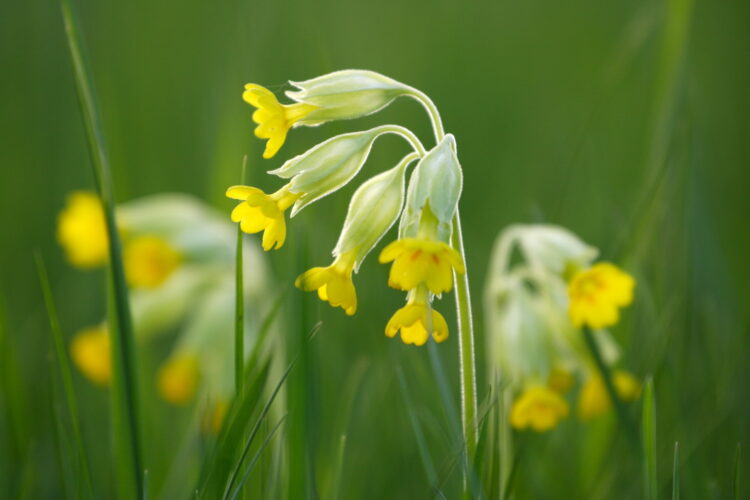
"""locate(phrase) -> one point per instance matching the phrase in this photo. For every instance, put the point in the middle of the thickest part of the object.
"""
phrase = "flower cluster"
(423, 261)
(175, 251)
(536, 307)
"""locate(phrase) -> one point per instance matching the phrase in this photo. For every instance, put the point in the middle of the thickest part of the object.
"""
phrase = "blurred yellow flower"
(177, 379)
(538, 407)
(412, 321)
(333, 283)
(90, 350)
(417, 261)
(213, 419)
(262, 212)
(82, 231)
(597, 293)
(273, 118)
(560, 380)
(149, 261)
(594, 399)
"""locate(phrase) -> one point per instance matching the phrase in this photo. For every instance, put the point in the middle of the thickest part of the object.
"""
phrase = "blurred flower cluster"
(175, 253)
(424, 261)
(543, 287)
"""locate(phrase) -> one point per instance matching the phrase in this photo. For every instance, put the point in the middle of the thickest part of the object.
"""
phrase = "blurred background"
(626, 122)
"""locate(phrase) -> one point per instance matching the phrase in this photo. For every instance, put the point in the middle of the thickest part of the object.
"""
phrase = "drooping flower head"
(418, 261)
(333, 283)
(539, 408)
(273, 118)
(90, 351)
(178, 379)
(262, 212)
(149, 261)
(597, 293)
(82, 232)
(417, 320)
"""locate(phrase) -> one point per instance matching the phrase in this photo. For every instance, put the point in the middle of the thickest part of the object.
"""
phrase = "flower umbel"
(538, 407)
(262, 212)
(417, 261)
(597, 293)
(91, 354)
(333, 283)
(82, 232)
(149, 261)
(414, 321)
(273, 118)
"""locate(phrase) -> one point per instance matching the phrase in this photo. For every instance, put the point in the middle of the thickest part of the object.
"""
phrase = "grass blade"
(649, 441)
(125, 411)
(239, 314)
(676, 472)
(256, 457)
(424, 453)
(81, 459)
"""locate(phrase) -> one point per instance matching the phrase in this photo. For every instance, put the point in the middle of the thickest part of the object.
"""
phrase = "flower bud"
(373, 209)
(346, 94)
(436, 181)
(328, 166)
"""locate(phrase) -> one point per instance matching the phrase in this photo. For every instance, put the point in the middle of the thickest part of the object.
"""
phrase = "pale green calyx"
(328, 166)
(346, 94)
(373, 209)
(436, 183)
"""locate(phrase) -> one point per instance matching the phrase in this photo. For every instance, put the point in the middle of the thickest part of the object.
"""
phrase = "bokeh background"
(626, 122)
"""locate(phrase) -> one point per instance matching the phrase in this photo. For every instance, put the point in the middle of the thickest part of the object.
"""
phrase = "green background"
(626, 122)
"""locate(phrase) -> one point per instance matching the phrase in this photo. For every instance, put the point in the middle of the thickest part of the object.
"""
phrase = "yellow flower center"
(262, 212)
(421, 261)
(333, 283)
(90, 351)
(149, 261)
(178, 379)
(415, 321)
(273, 118)
(538, 407)
(82, 231)
(596, 294)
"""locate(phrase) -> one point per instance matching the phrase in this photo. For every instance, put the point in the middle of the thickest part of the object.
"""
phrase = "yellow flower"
(417, 261)
(149, 261)
(213, 419)
(262, 212)
(412, 321)
(597, 293)
(560, 380)
(178, 379)
(273, 118)
(82, 231)
(538, 407)
(594, 399)
(90, 350)
(333, 283)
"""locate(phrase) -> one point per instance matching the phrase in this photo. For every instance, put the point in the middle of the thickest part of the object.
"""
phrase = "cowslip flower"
(597, 293)
(82, 232)
(273, 118)
(90, 351)
(539, 408)
(417, 320)
(374, 208)
(418, 261)
(594, 399)
(262, 212)
(149, 260)
(177, 379)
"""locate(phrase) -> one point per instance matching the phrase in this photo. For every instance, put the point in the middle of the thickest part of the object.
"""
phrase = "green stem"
(607, 378)
(465, 347)
(407, 134)
(467, 363)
